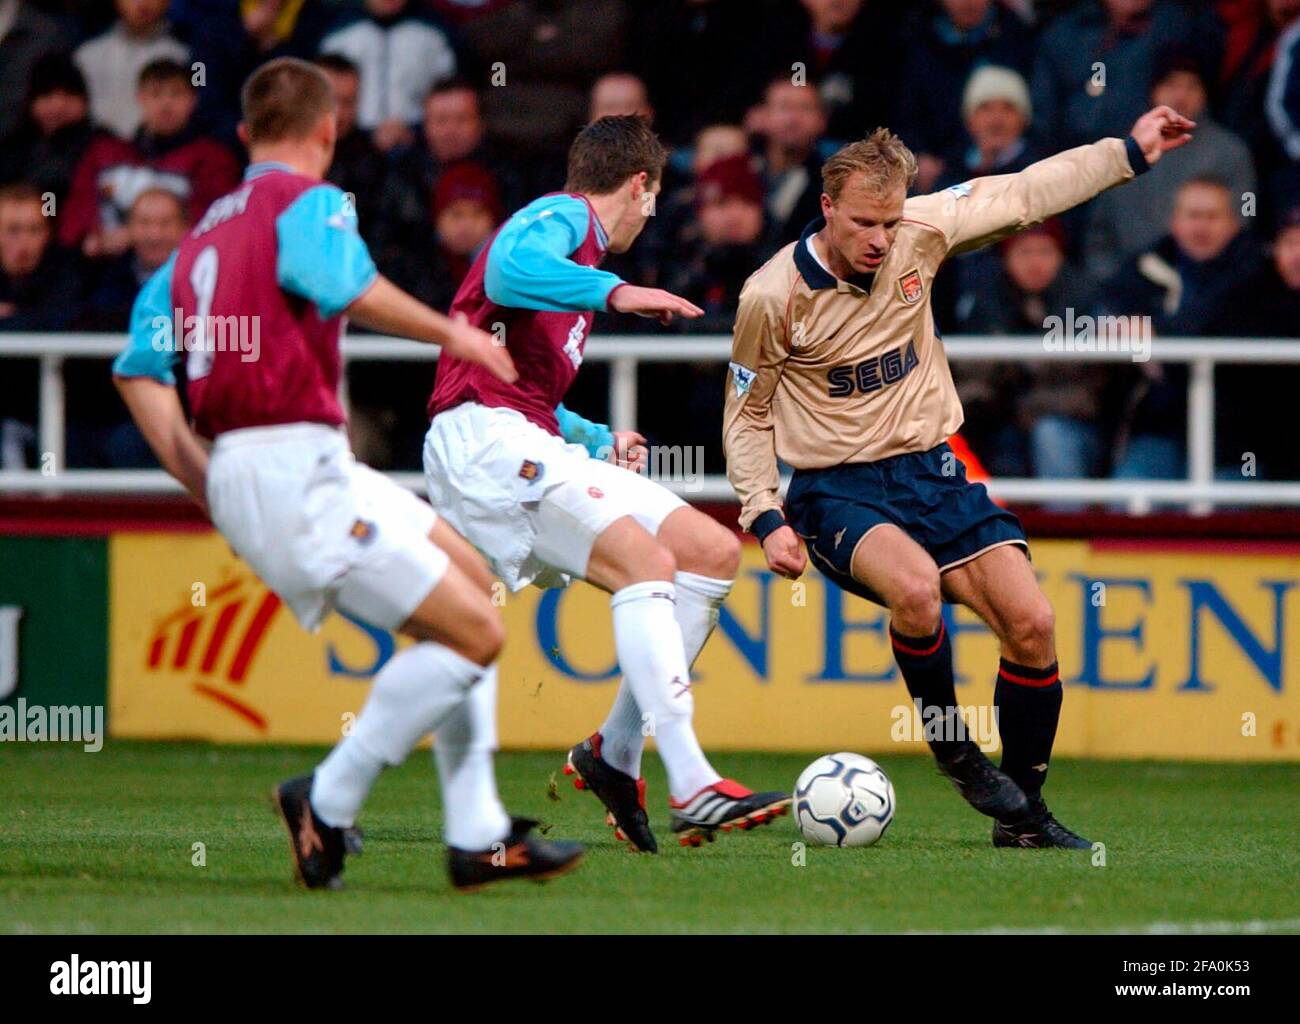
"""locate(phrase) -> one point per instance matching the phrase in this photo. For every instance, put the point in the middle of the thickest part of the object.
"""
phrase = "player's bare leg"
(905, 578)
(1001, 588)
(641, 572)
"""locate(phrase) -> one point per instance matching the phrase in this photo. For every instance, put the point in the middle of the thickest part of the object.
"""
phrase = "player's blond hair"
(882, 159)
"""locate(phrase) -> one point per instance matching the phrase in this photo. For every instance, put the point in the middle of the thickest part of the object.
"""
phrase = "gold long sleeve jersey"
(823, 372)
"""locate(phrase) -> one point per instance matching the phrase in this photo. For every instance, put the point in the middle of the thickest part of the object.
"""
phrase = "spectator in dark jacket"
(38, 292)
(1240, 93)
(229, 40)
(1058, 407)
(791, 124)
(1274, 307)
(852, 51)
(1190, 280)
(38, 283)
(1092, 73)
(546, 53)
(1283, 107)
(720, 249)
(1248, 397)
(940, 52)
(155, 225)
(1125, 221)
(452, 132)
(670, 35)
(26, 35)
(402, 55)
(725, 244)
(466, 209)
(675, 222)
(359, 168)
(47, 147)
(100, 433)
(167, 151)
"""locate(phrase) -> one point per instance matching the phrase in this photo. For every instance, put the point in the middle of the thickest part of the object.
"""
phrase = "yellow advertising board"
(1166, 652)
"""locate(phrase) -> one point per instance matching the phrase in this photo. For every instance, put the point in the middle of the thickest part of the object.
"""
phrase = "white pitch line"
(1253, 927)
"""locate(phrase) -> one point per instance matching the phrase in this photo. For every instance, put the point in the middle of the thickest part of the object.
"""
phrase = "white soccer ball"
(843, 800)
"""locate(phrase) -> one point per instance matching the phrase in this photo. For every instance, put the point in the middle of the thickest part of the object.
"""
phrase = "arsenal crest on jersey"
(909, 286)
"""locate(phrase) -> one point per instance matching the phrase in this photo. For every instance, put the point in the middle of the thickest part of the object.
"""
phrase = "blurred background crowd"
(117, 129)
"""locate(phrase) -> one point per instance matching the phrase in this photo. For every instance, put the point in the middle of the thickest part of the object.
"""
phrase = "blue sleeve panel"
(528, 265)
(151, 351)
(320, 256)
(576, 430)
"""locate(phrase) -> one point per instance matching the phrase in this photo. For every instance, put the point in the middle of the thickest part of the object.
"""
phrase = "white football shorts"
(530, 502)
(321, 529)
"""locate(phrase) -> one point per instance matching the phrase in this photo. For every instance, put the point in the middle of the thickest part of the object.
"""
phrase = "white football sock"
(651, 652)
(623, 734)
(410, 697)
(473, 818)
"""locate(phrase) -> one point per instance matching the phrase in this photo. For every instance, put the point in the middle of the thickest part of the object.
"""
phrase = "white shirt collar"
(812, 250)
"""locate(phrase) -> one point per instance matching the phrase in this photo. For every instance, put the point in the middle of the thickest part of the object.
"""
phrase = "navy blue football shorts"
(954, 520)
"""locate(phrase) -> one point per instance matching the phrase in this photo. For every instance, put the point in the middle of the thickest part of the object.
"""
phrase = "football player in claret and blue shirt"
(254, 300)
(537, 489)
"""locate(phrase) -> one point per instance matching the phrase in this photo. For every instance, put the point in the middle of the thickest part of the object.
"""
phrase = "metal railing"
(1200, 491)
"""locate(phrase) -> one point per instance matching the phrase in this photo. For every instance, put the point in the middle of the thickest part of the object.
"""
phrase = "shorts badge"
(909, 286)
(530, 470)
(363, 531)
(595, 492)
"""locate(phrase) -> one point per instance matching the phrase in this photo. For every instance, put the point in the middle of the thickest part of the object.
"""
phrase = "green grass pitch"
(103, 842)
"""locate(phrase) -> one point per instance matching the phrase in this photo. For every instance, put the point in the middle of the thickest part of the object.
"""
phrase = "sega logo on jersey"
(872, 374)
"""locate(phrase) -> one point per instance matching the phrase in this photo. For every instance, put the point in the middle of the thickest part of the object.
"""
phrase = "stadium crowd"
(117, 129)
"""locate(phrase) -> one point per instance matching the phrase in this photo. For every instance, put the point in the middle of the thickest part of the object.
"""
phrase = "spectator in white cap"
(996, 111)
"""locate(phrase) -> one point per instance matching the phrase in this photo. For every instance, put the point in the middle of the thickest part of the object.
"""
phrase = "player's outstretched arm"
(1160, 130)
(985, 210)
(652, 302)
(385, 308)
(156, 409)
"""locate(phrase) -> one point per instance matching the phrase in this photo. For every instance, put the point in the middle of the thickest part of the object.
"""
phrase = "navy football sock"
(1028, 702)
(926, 664)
